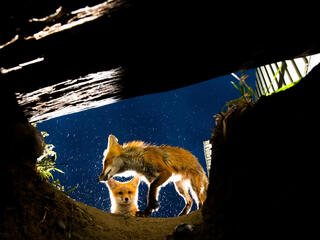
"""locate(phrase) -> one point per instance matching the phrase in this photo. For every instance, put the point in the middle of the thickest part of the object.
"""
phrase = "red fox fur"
(157, 164)
(124, 196)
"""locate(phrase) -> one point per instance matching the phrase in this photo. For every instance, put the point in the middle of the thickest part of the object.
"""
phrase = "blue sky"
(182, 117)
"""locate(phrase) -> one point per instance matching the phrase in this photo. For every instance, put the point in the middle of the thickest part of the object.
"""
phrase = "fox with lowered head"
(158, 164)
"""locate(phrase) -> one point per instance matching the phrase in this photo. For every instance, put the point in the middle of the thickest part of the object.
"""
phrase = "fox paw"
(147, 212)
(155, 205)
(143, 214)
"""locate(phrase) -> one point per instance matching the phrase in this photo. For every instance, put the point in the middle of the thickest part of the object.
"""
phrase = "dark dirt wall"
(264, 177)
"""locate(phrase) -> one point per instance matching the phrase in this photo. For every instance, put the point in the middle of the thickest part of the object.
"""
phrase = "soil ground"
(40, 211)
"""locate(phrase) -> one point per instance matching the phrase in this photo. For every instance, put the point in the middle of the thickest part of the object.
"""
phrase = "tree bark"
(71, 96)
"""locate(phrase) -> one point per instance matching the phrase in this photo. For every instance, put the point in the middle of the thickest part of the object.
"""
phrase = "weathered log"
(71, 96)
(185, 42)
(160, 47)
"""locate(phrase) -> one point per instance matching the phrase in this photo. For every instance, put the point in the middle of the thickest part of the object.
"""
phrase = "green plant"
(46, 164)
(284, 87)
(287, 86)
(236, 107)
(247, 93)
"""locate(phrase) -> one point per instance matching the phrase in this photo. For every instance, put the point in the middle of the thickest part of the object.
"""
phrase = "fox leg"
(153, 192)
(182, 188)
(199, 186)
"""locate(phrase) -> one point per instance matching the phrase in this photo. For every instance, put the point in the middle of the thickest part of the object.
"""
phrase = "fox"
(124, 196)
(158, 165)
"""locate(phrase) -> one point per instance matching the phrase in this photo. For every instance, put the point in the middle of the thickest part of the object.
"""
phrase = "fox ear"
(112, 183)
(135, 181)
(112, 140)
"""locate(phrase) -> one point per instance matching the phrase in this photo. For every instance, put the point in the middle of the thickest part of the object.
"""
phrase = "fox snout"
(124, 200)
(105, 174)
(103, 177)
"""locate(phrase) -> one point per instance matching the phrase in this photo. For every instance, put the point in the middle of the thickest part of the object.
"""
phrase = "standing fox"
(124, 196)
(157, 164)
